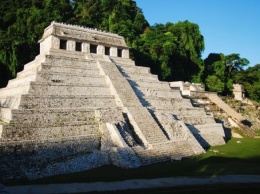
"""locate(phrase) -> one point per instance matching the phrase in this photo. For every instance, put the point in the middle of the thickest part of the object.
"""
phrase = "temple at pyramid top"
(82, 39)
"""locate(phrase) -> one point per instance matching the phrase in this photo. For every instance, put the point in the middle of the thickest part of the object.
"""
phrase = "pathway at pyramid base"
(82, 103)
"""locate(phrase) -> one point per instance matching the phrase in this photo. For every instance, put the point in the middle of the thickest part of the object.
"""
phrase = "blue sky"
(228, 26)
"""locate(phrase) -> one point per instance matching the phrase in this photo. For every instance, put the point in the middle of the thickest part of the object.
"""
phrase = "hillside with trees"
(172, 51)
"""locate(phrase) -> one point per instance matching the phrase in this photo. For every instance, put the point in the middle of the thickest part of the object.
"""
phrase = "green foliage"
(222, 69)
(174, 50)
(214, 84)
(233, 61)
(22, 25)
(250, 78)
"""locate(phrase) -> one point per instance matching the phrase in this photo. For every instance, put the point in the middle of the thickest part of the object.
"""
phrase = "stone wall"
(31, 159)
(72, 35)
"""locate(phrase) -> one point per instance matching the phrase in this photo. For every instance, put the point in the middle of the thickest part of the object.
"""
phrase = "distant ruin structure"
(82, 103)
(238, 92)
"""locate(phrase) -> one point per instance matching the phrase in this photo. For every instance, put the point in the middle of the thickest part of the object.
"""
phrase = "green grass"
(240, 148)
(232, 158)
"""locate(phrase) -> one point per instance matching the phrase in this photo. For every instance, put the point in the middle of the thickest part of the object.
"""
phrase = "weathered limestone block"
(68, 89)
(196, 120)
(165, 93)
(15, 90)
(77, 164)
(86, 47)
(125, 53)
(14, 133)
(100, 50)
(124, 157)
(10, 101)
(142, 77)
(135, 70)
(71, 45)
(49, 42)
(66, 101)
(122, 61)
(21, 81)
(52, 116)
(113, 51)
(149, 84)
(31, 157)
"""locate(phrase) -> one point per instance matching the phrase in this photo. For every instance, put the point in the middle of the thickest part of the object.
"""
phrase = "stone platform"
(82, 103)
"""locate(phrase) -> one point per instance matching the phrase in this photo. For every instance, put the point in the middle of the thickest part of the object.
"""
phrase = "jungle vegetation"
(172, 50)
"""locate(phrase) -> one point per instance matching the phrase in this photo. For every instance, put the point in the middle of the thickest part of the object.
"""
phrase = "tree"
(22, 25)
(174, 50)
(224, 68)
(214, 84)
(214, 75)
(233, 61)
(250, 79)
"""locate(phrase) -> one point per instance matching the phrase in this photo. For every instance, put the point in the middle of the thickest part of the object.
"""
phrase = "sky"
(228, 26)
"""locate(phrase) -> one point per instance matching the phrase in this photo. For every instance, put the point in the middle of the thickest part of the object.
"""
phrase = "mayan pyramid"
(82, 103)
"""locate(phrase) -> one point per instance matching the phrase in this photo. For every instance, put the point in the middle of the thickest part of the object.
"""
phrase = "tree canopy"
(173, 51)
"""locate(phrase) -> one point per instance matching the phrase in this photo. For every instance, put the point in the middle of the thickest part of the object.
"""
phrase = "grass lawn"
(238, 156)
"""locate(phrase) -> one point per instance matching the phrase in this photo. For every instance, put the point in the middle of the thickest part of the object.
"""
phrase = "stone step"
(45, 158)
(150, 129)
(21, 133)
(10, 101)
(122, 61)
(182, 103)
(60, 147)
(42, 88)
(84, 70)
(196, 119)
(98, 57)
(29, 72)
(21, 80)
(66, 54)
(167, 104)
(136, 77)
(164, 152)
(165, 117)
(210, 139)
(70, 62)
(52, 117)
(134, 70)
(67, 101)
(38, 60)
(15, 90)
(71, 78)
(149, 84)
(178, 111)
(214, 128)
(166, 93)
(5, 114)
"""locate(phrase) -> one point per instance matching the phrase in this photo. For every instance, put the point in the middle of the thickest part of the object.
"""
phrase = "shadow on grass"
(213, 165)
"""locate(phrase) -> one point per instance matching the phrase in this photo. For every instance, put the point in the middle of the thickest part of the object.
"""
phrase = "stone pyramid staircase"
(75, 108)
(61, 94)
(168, 107)
(150, 91)
(49, 113)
